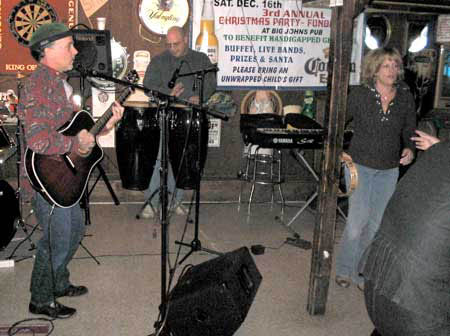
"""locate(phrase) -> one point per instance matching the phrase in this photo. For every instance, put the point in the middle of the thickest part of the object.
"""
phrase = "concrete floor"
(125, 289)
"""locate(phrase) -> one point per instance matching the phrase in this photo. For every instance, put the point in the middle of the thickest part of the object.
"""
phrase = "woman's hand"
(407, 156)
(424, 140)
(177, 90)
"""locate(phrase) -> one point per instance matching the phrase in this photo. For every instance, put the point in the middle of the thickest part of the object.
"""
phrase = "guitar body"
(62, 179)
(54, 177)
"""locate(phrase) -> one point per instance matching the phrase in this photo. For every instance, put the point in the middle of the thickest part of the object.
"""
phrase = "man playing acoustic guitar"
(45, 106)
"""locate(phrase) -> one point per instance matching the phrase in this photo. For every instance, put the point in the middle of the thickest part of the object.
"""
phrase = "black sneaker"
(54, 309)
(72, 291)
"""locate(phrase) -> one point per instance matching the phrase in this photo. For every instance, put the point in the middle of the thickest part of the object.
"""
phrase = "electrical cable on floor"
(15, 329)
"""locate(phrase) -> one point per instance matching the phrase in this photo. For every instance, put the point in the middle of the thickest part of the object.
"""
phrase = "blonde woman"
(384, 120)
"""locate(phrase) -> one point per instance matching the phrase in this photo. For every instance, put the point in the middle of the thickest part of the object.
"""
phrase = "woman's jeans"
(366, 208)
(64, 229)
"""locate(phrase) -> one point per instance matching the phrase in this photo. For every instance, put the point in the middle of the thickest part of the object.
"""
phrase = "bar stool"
(263, 166)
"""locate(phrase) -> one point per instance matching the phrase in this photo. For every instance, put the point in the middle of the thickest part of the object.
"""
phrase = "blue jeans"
(152, 192)
(67, 229)
(366, 208)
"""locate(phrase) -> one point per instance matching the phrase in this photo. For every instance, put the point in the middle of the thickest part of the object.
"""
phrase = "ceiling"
(413, 6)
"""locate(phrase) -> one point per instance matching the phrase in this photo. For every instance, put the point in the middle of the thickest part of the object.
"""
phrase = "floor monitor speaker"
(214, 297)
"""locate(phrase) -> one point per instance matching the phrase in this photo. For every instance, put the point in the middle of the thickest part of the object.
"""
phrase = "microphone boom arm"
(158, 94)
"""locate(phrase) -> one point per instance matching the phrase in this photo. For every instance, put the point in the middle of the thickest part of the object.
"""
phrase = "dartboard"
(27, 16)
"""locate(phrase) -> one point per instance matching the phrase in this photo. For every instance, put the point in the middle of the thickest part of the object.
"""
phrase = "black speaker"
(94, 51)
(213, 298)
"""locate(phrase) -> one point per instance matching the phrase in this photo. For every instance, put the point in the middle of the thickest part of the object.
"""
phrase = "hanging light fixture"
(370, 41)
(420, 41)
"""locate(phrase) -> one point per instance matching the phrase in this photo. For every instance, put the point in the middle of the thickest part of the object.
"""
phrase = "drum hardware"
(7, 145)
(21, 220)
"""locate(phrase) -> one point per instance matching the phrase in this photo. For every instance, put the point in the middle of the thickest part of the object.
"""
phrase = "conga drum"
(137, 144)
(187, 154)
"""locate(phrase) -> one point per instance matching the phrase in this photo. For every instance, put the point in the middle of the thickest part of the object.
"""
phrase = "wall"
(223, 163)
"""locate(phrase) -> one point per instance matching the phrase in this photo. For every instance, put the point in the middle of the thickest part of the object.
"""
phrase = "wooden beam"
(324, 231)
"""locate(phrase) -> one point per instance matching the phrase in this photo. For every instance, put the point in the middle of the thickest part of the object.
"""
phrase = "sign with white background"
(270, 44)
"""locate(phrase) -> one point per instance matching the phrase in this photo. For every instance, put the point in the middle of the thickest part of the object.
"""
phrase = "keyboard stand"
(298, 154)
(297, 240)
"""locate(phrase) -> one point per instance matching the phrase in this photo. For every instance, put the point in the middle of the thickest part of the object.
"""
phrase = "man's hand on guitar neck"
(117, 111)
(87, 141)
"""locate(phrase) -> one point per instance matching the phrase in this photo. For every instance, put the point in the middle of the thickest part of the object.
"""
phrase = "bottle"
(309, 106)
(206, 41)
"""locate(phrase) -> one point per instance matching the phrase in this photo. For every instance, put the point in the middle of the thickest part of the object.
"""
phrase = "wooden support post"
(324, 232)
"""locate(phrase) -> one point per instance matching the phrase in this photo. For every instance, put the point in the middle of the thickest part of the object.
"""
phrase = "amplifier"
(94, 51)
(213, 298)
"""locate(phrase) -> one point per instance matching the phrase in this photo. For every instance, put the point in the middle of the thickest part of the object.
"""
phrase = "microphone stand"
(162, 110)
(196, 244)
(163, 103)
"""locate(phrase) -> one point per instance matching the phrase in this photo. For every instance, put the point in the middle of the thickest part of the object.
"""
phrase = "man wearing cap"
(45, 106)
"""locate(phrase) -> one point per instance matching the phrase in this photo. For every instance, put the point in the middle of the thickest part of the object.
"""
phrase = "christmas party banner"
(267, 44)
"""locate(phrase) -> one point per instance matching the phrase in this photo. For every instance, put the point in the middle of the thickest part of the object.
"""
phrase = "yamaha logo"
(283, 140)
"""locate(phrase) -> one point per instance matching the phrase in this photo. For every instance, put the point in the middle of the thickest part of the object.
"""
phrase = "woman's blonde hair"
(375, 58)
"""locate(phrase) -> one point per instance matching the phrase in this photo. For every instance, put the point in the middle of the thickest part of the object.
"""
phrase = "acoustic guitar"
(62, 179)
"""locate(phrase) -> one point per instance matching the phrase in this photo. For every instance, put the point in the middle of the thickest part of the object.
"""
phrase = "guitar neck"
(101, 122)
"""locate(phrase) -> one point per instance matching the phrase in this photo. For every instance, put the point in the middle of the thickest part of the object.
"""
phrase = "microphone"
(175, 76)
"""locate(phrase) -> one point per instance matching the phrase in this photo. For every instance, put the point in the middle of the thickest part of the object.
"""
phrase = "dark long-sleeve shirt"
(161, 68)
(43, 108)
(379, 137)
(409, 259)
